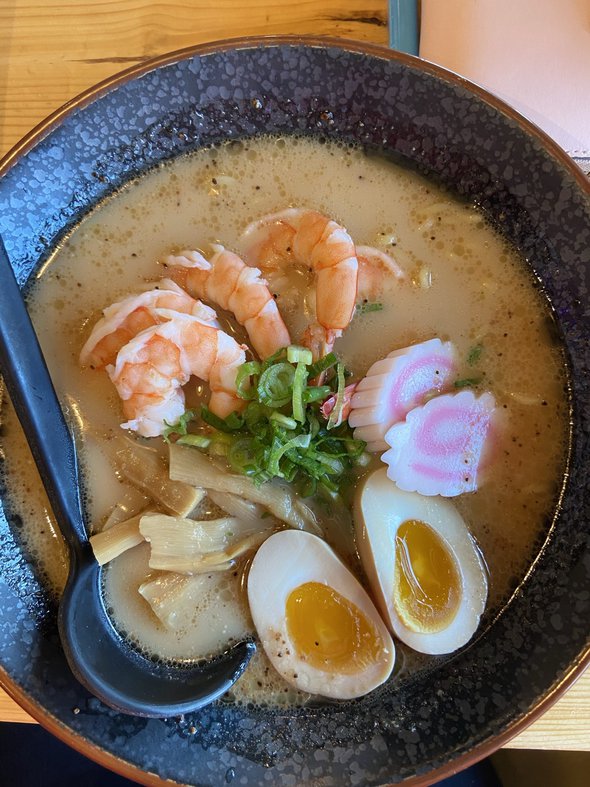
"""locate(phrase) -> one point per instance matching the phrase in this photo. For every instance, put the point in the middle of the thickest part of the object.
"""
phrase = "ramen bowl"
(436, 720)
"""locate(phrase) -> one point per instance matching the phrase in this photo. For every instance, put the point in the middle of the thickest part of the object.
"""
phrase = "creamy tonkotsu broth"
(462, 282)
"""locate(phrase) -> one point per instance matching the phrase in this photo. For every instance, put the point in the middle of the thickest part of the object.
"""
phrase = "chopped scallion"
(220, 444)
(246, 389)
(328, 484)
(365, 308)
(242, 453)
(232, 423)
(297, 354)
(467, 382)
(284, 420)
(275, 383)
(195, 440)
(316, 393)
(474, 354)
(180, 427)
(277, 451)
(322, 365)
(281, 431)
(299, 383)
(336, 415)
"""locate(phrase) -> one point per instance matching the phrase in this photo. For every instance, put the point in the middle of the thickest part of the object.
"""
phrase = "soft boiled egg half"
(424, 567)
(317, 625)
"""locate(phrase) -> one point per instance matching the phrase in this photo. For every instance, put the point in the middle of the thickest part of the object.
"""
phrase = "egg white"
(285, 561)
(380, 509)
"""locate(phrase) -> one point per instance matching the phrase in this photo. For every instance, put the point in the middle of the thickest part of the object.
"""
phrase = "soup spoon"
(105, 663)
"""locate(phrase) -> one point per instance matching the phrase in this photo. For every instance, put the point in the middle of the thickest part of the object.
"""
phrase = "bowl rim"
(91, 94)
(55, 119)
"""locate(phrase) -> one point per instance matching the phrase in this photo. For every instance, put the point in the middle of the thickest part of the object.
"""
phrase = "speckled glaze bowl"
(474, 701)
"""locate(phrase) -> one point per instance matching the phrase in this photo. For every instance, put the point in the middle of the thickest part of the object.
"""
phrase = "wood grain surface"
(51, 51)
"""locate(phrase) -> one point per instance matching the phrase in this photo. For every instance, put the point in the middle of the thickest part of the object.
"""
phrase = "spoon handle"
(27, 379)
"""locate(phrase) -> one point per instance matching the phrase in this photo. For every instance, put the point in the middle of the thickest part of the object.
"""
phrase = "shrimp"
(313, 240)
(226, 280)
(125, 319)
(151, 369)
(376, 271)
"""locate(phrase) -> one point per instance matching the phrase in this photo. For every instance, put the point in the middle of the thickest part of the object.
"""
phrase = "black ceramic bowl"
(479, 698)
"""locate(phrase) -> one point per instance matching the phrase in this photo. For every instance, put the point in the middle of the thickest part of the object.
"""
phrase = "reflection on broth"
(458, 281)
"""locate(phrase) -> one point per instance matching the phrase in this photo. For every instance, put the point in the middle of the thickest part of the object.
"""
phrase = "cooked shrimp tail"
(226, 280)
(377, 271)
(320, 341)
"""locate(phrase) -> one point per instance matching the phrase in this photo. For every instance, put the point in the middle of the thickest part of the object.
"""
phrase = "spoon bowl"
(105, 663)
(121, 676)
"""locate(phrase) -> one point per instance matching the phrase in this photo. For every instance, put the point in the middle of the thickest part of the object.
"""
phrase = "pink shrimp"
(125, 319)
(313, 240)
(226, 280)
(152, 367)
(376, 271)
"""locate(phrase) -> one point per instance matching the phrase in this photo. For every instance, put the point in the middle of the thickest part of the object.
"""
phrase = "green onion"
(300, 441)
(333, 463)
(289, 469)
(316, 393)
(220, 444)
(256, 416)
(355, 448)
(336, 414)
(308, 487)
(195, 440)
(299, 382)
(314, 425)
(322, 365)
(245, 389)
(274, 385)
(365, 308)
(242, 453)
(297, 354)
(180, 427)
(474, 354)
(274, 358)
(284, 420)
(229, 424)
(281, 431)
(328, 484)
(467, 382)
(312, 468)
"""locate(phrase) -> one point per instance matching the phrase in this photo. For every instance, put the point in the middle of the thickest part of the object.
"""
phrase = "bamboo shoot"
(146, 469)
(191, 466)
(187, 546)
(117, 539)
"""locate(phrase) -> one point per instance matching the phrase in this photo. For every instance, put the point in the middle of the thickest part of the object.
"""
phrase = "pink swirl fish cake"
(396, 384)
(440, 448)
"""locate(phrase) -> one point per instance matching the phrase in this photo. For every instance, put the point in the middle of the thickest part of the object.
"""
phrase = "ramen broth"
(462, 282)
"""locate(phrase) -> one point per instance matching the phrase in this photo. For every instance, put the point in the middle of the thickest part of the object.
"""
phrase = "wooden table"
(50, 51)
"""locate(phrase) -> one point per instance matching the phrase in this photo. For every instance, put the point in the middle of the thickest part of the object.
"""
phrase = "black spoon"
(99, 658)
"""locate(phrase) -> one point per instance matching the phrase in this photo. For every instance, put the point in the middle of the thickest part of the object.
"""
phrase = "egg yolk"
(427, 584)
(330, 632)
